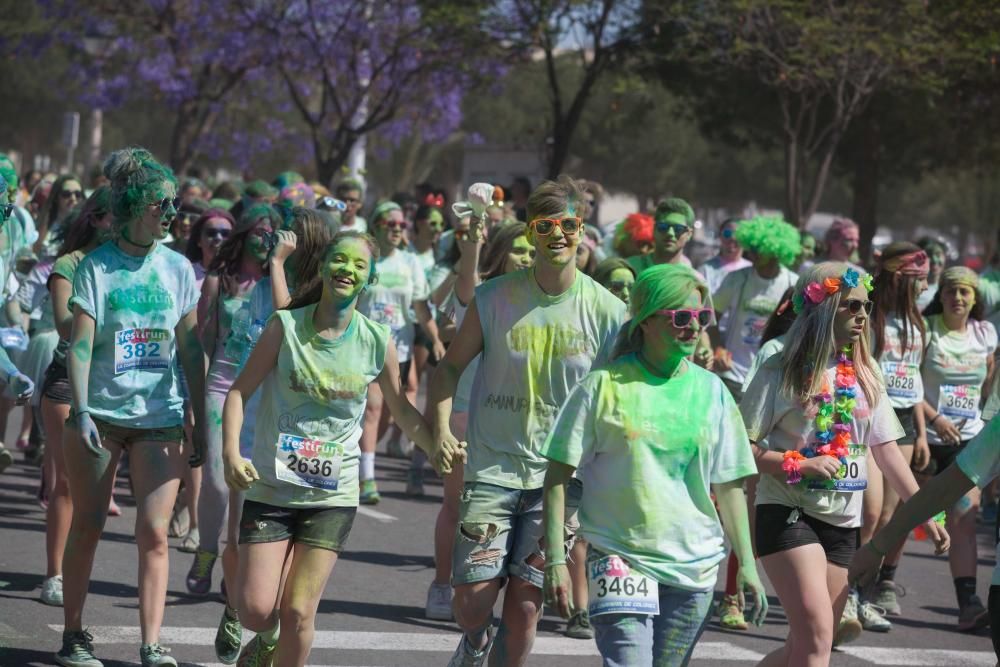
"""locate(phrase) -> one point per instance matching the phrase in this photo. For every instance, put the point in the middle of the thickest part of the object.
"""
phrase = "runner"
(937, 252)
(729, 259)
(672, 229)
(900, 337)
(83, 235)
(508, 250)
(748, 296)
(297, 252)
(539, 333)
(841, 242)
(959, 359)
(976, 466)
(316, 360)
(818, 430)
(617, 276)
(133, 304)
(398, 299)
(240, 262)
(652, 571)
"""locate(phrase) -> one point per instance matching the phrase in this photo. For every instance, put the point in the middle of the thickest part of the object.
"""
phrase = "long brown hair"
(227, 261)
(193, 249)
(498, 247)
(894, 294)
(310, 290)
(80, 231)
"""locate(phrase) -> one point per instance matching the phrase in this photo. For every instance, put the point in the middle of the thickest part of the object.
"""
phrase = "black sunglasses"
(214, 232)
(855, 306)
(677, 227)
(66, 194)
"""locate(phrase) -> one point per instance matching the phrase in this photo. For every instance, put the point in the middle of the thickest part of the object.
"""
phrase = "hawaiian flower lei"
(834, 413)
(816, 292)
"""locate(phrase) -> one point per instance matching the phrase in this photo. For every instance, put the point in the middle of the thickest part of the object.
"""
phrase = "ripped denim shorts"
(500, 533)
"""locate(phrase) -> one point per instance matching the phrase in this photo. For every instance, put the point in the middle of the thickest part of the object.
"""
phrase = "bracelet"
(792, 467)
(77, 413)
(936, 417)
(553, 563)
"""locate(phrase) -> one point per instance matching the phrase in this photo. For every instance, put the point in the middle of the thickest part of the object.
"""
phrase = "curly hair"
(770, 237)
(136, 178)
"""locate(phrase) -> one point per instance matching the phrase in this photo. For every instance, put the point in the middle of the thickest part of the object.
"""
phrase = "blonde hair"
(811, 343)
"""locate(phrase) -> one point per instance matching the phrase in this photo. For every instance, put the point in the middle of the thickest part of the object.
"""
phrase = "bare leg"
(373, 413)
(872, 503)
(59, 514)
(230, 553)
(156, 469)
(522, 607)
(310, 570)
(447, 518)
(578, 573)
(961, 525)
(257, 587)
(890, 502)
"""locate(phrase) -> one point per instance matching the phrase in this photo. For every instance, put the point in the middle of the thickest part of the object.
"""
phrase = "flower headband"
(911, 264)
(816, 292)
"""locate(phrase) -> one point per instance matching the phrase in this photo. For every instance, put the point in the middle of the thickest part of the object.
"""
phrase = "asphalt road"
(372, 611)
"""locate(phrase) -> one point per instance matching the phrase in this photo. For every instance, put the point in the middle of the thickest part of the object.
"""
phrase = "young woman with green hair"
(134, 311)
(627, 428)
(955, 373)
(813, 413)
(398, 299)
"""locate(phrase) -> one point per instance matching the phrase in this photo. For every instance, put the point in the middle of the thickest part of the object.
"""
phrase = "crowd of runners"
(610, 422)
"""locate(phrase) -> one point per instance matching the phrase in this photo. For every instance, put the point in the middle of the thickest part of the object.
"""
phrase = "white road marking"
(375, 514)
(931, 657)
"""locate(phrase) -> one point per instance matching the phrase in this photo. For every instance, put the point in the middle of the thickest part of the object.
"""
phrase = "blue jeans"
(641, 640)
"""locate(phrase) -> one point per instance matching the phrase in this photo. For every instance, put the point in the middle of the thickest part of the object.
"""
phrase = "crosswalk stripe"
(375, 514)
(931, 657)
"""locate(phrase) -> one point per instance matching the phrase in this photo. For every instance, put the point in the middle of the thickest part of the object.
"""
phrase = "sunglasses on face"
(682, 317)
(216, 233)
(677, 227)
(75, 194)
(331, 204)
(167, 202)
(855, 306)
(728, 233)
(545, 226)
(395, 224)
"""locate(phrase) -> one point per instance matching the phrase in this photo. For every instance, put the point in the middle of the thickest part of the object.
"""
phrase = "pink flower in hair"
(815, 292)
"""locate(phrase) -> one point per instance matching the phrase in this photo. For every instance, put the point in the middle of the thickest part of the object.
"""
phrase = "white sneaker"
(52, 593)
(871, 618)
(849, 628)
(438, 606)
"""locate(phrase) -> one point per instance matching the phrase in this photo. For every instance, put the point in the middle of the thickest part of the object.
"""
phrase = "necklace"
(137, 245)
(832, 424)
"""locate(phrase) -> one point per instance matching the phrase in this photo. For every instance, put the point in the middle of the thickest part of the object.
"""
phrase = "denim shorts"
(321, 527)
(500, 530)
(666, 640)
(126, 435)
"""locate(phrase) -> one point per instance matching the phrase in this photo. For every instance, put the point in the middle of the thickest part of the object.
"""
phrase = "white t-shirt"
(767, 350)
(980, 461)
(954, 371)
(749, 300)
(769, 415)
(901, 368)
(401, 282)
(715, 271)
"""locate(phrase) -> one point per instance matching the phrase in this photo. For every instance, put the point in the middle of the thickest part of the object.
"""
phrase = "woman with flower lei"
(821, 406)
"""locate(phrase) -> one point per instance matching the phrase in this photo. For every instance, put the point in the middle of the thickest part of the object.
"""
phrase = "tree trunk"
(182, 139)
(560, 149)
(792, 197)
(866, 183)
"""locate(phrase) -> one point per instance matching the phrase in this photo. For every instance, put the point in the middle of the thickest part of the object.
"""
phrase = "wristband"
(792, 467)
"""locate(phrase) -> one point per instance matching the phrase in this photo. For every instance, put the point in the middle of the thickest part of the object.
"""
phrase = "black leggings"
(994, 607)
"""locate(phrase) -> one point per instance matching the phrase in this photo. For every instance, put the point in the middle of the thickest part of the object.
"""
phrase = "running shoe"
(154, 655)
(466, 656)
(415, 482)
(887, 594)
(52, 591)
(199, 577)
(6, 458)
(257, 653)
(973, 616)
(229, 637)
(871, 618)
(579, 627)
(191, 542)
(731, 613)
(850, 627)
(77, 650)
(369, 492)
(438, 607)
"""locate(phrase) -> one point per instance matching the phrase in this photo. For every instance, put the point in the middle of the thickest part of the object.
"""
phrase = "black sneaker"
(973, 616)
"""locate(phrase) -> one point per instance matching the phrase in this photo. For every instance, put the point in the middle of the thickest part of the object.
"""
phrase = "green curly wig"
(770, 237)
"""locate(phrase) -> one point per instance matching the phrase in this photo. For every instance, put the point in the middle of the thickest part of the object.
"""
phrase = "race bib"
(753, 331)
(386, 313)
(614, 588)
(960, 401)
(855, 472)
(142, 348)
(901, 379)
(312, 463)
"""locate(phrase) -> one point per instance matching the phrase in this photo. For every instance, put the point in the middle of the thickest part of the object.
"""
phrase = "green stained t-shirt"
(536, 348)
(317, 392)
(647, 461)
(136, 302)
